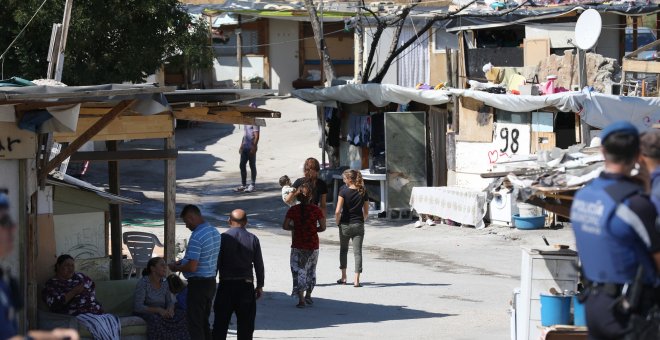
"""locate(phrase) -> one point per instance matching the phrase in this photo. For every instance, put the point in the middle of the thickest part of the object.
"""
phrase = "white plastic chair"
(141, 246)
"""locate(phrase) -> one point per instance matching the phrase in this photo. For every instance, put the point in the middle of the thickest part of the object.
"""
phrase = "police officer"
(614, 230)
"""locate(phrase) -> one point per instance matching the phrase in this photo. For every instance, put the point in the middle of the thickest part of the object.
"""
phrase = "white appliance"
(502, 208)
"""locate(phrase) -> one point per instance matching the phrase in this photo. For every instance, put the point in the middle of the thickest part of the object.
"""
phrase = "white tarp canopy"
(378, 94)
(596, 109)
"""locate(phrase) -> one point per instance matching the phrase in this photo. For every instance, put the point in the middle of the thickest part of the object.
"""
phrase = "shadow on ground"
(277, 311)
(367, 284)
(188, 165)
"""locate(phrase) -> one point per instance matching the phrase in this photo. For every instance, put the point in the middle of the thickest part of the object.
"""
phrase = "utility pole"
(59, 66)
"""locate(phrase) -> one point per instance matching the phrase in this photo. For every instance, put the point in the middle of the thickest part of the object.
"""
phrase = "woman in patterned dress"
(73, 293)
(154, 303)
(308, 220)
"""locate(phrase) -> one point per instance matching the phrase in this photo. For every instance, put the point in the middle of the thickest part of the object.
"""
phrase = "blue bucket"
(555, 310)
(579, 316)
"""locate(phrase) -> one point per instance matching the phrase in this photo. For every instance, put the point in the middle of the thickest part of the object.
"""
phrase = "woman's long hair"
(355, 177)
(311, 164)
(152, 263)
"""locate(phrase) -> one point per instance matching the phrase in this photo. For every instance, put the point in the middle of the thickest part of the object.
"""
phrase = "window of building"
(443, 39)
(224, 43)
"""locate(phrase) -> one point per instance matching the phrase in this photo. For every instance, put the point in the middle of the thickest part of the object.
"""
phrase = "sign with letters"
(16, 143)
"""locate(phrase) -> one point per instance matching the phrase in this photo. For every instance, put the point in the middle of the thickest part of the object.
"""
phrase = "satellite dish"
(587, 29)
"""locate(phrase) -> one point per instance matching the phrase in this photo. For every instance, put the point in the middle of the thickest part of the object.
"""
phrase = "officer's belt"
(611, 289)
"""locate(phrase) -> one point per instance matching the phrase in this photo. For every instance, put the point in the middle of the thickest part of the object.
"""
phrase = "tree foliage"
(109, 41)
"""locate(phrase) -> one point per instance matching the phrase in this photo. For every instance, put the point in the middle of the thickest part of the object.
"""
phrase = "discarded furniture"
(141, 246)
(542, 269)
(116, 297)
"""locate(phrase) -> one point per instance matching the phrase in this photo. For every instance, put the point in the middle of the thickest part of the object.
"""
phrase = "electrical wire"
(2, 56)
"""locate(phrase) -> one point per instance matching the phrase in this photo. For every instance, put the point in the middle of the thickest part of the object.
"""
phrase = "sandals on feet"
(341, 281)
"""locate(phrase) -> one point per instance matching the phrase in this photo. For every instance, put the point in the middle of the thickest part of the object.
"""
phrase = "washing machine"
(502, 208)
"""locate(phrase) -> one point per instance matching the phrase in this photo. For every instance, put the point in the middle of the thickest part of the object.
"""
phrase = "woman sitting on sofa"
(154, 303)
(74, 293)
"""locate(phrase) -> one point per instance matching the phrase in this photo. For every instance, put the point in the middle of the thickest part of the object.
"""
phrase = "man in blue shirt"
(199, 266)
(615, 235)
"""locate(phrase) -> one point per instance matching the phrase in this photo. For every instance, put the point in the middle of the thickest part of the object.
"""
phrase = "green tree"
(109, 41)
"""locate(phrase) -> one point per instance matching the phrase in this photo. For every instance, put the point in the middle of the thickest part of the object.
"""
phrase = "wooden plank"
(536, 51)
(563, 208)
(542, 141)
(27, 97)
(124, 128)
(124, 155)
(170, 203)
(476, 121)
(220, 119)
(86, 136)
(233, 110)
(641, 66)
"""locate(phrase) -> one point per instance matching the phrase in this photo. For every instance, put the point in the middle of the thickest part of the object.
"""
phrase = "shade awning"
(596, 109)
(72, 182)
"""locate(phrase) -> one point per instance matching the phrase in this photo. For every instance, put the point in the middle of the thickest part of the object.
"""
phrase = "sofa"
(116, 297)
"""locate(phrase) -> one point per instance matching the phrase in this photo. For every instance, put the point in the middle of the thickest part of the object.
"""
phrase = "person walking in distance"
(351, 212)
(199, 266)
(248, 151)
(240, 253)
(615, 235)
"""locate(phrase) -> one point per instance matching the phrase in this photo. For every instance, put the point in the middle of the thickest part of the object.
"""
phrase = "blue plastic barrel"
(579, 316)
(555, 310)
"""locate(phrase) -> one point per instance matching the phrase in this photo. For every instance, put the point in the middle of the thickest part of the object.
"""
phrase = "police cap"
(621, 126)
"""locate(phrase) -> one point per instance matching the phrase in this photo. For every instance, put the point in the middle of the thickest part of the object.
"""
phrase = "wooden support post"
(116, 270)
(88, 135)
(27, 245)
(448, 65)
(170, 203)
(634, 34)
(239, 53)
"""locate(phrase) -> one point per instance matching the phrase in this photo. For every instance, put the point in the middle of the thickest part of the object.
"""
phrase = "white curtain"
(413, 62)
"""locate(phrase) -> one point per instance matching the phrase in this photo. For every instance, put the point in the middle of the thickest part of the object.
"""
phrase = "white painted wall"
(283, 54)
(10, 180)
(226, 68)
(473, 158)
(560, 33)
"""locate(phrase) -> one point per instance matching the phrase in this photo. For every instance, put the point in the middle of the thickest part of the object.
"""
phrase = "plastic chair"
(141, 246)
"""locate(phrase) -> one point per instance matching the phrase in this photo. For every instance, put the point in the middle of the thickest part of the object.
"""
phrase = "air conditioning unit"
(502, 208)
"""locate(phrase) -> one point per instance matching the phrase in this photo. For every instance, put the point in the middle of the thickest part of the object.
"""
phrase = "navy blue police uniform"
(614, 231)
